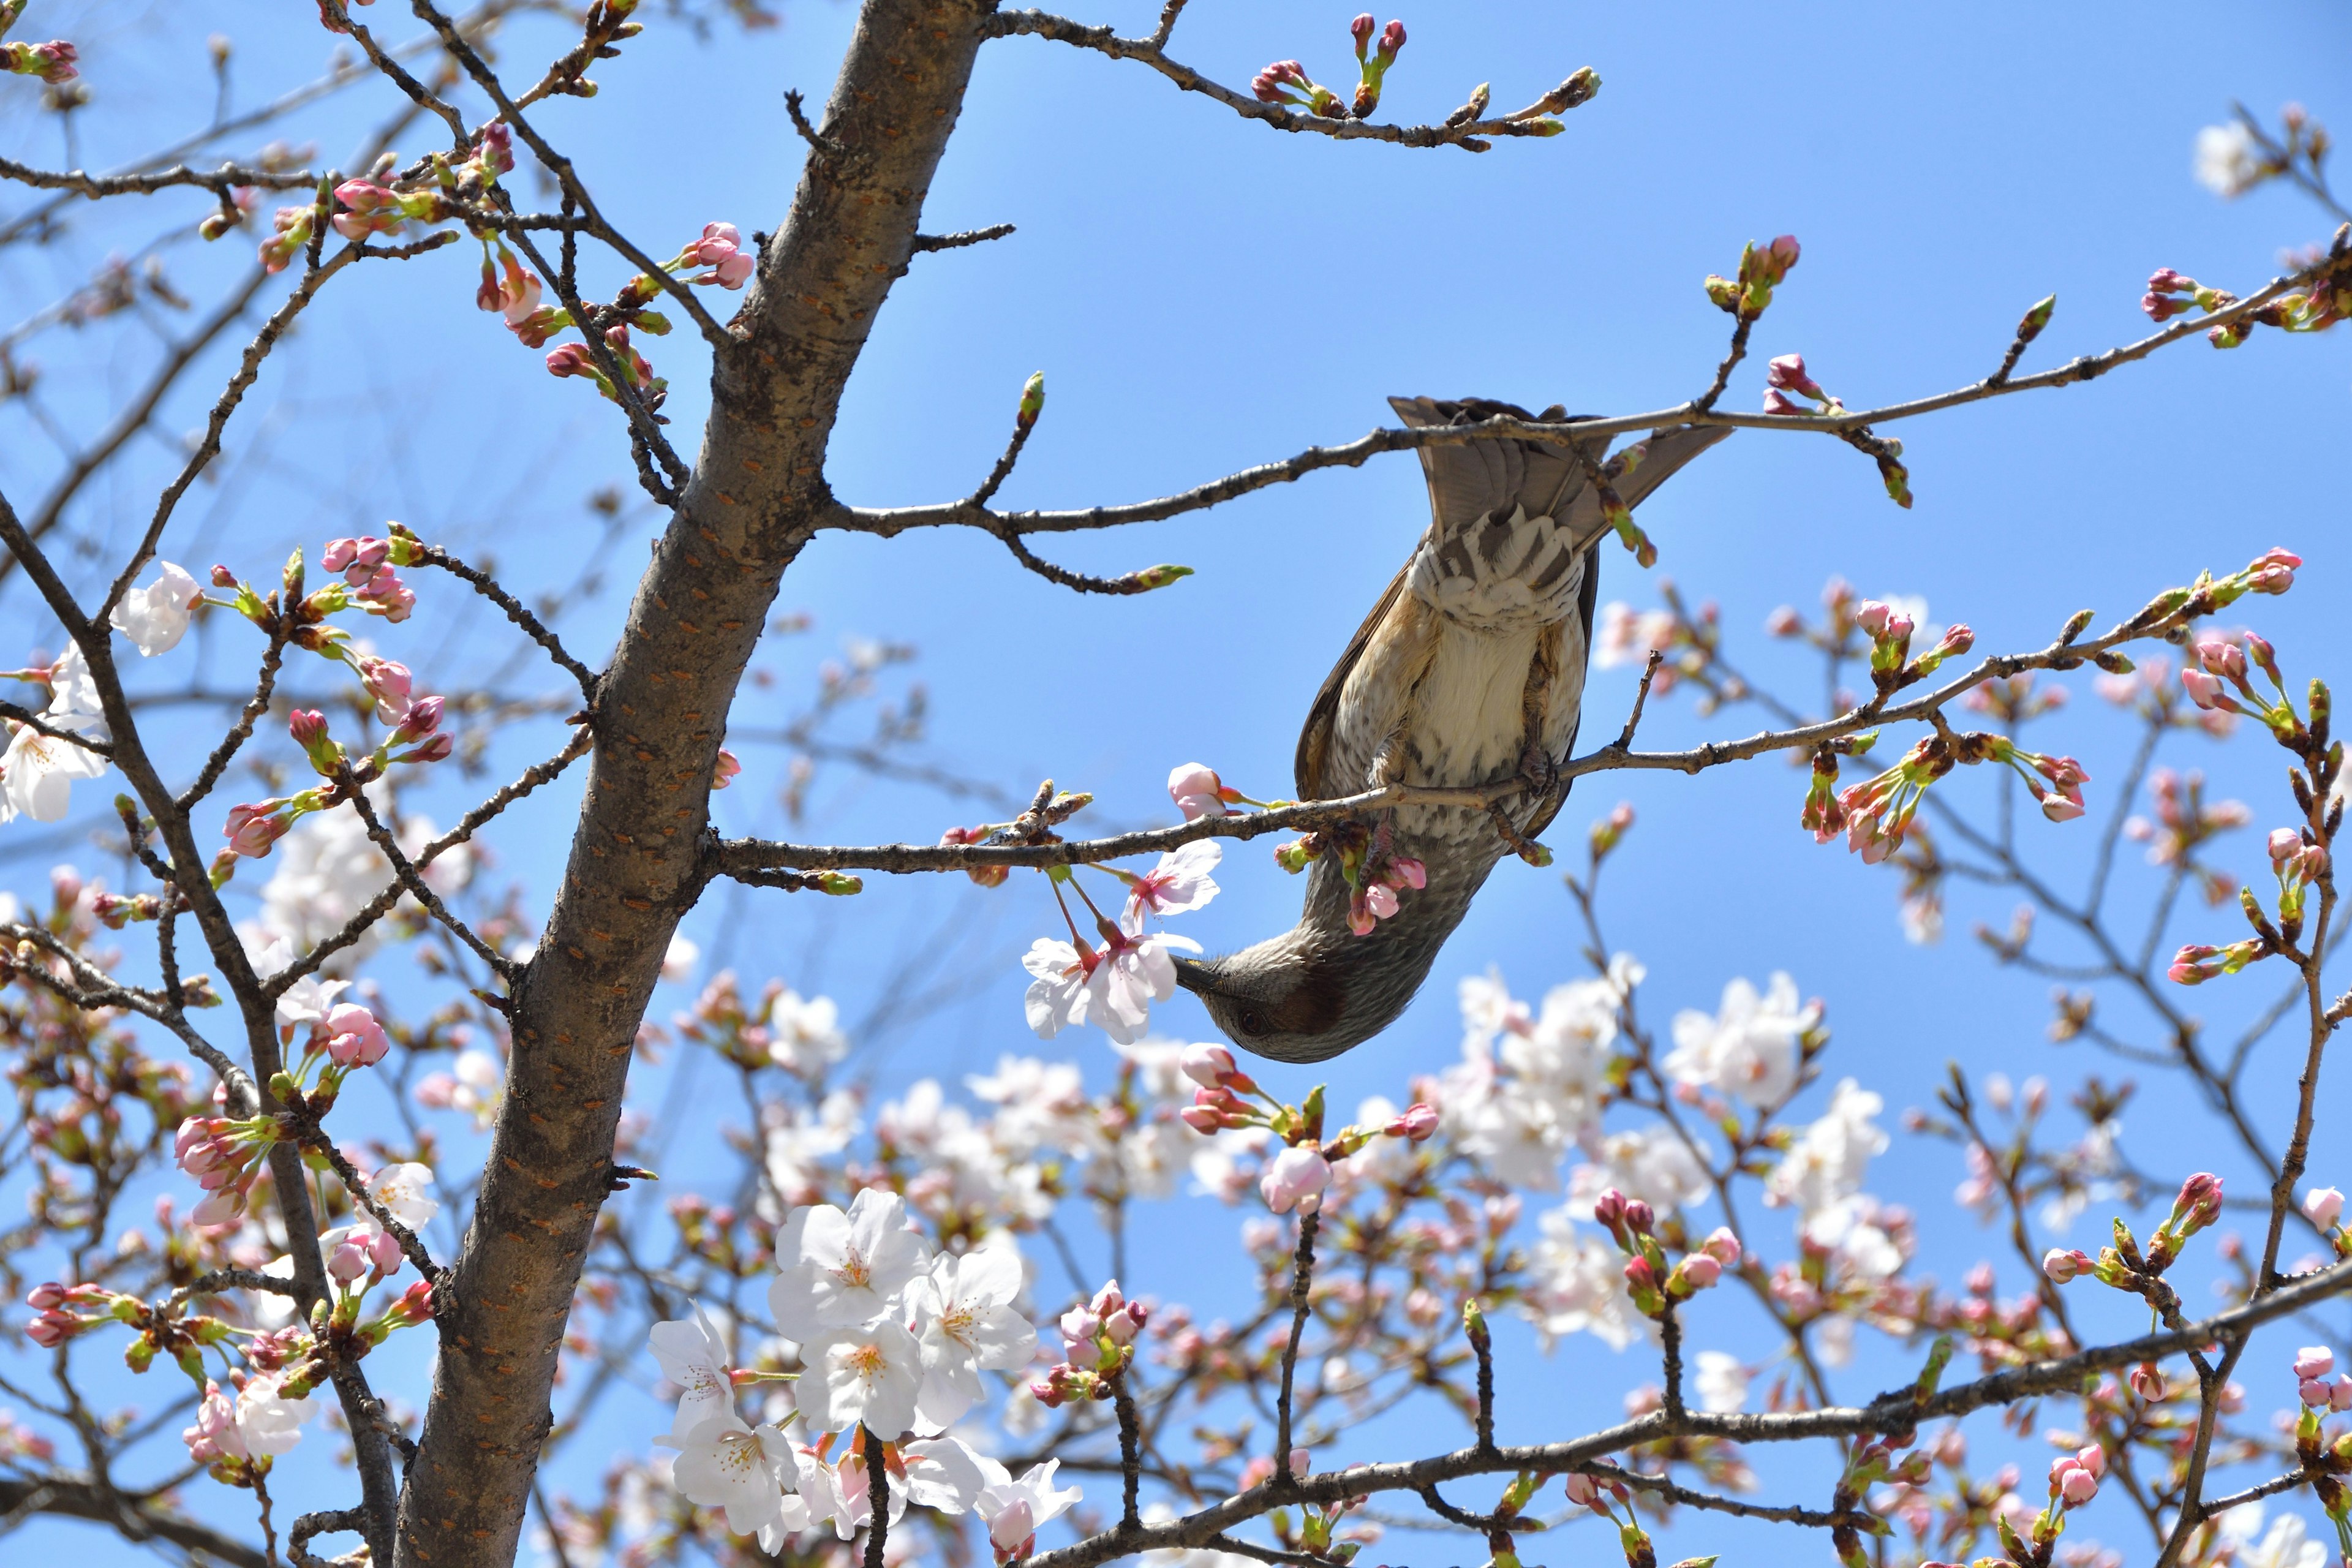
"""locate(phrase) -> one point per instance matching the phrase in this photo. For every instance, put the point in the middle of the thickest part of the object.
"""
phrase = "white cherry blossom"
(1751, 1049)
(156, 617)
(725, 1464)
(1180, 882)
(965, 1322)
(804, 1033)
(1013, 1509)
(694, 1357)
(841, 1270)
(1829, 1158)
(868, 1376)
(37, 771)
(1579, 1287)
(944, 1473)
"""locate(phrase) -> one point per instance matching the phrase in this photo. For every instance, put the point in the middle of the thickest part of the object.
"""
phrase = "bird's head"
(1293, 997)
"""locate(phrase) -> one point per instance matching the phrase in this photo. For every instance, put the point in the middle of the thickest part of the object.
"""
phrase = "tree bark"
(638, 854)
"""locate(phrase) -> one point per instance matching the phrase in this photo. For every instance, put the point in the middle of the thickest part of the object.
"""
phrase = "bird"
(1469, 671)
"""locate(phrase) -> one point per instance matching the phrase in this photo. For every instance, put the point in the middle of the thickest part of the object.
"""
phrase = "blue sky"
(1202, 294)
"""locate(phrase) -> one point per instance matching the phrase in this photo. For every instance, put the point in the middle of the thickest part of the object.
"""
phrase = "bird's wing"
(1315, 740)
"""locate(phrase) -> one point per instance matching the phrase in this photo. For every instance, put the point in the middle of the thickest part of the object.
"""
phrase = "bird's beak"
(1191, 974)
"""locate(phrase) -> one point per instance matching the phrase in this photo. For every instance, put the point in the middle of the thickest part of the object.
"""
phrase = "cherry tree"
(880, 1339)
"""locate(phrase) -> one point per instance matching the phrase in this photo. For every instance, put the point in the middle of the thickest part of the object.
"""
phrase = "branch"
(76, 1497)
(958, 240)
(1530, 121)
(733, 856)
(1901, 1411)
(381, 905)
(483, 585)
(220, 181)
(887, 521)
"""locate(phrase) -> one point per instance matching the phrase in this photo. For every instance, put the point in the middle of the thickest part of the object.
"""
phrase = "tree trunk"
(638, 859)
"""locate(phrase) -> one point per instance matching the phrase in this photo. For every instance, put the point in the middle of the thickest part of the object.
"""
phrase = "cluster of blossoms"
(892, 1340)
(515, 294)
(2300, 855)
(37, 770)
(1113, 985)
(1300, 1172)
(370, 580)
(1097, 1346)
(1375, 873)
(1876, 813)
(1651, 1281)
(1287, 81)
(2327, 300)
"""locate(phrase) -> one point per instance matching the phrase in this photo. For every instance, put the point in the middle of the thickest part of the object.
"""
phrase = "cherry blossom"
(726, 1464)
(1013, 1509)
(841, 1270)
(965, 1322)
(474, 1084)
(868, 1376)
(36, 773)
(1294, 1178)
(1827, 1162)
(1751, 1049)
(1198, 791)
(156, 617)
(355, 1039)
(1180, 882)
(693, 1356)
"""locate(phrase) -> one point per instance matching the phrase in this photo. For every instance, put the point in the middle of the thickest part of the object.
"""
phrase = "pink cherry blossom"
(1295, 1179)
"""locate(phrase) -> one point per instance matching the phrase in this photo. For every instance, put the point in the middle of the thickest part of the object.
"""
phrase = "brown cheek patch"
(1315, 1005)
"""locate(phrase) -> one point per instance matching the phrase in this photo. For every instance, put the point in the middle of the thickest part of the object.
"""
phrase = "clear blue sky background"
(1202, 294)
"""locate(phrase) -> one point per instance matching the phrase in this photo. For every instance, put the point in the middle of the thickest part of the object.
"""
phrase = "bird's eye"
(1251, 1022)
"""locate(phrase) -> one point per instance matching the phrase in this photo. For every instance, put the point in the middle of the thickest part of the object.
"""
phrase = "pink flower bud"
(308, 726)
(52, 1329)
(1723, 1246)
(1639, 1216)
(723, 772)
(388, 681)
(253, 828)
(43, 1296)
(1206, 1065)
(1778, 402)
(2147, 1381)
(2206, 692)
(1583, 1491)
(1416, 1124)
(571, 359)
(2339, 1393)
(1201, 1119)
(1360, 29)
(2313, 1360)
(2226, 659)
(2323, 1206)
(347, 1262)
(223, 578)
(1301, 1461)
(2064, 1266)
(2285, 844)
(2313, 1393)
(2078, 1485)
(1788, 373)
(1701, 1271)
(424, 717)
(354, 1037)
(1197, 791)
(1392, 40)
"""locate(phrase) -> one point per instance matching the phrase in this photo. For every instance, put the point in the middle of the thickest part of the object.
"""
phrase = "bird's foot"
(1539, 773)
